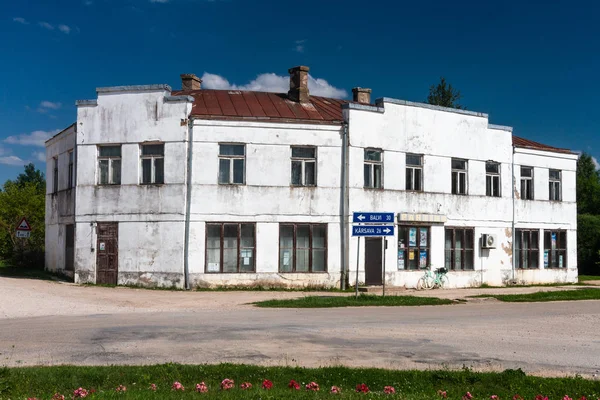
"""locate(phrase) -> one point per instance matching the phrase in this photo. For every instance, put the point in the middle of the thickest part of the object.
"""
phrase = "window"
(554, 183)
(231, 164)
(459, 248)
(555, 249)
(302, 247)
(527, 251)
(304, 166)
(527, 183)
(109, 165)
(492, 179)
(55, 175)
(414, 172)
(153, 164)
(413, 247)
(230, 247)
(373, 169)
(71, 182)
(459, 176)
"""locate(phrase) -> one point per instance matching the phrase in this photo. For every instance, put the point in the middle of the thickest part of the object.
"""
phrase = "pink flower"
(246, 385)
(267, 384)
(294, 385)
(227, 384)
(389, 390)
(583, 398)
(517, 397)
(494, 397)
(58, 396)
(540, 397)
(153, 387)
(201, 387)
(442, 393)
(362, 388)
(312, 386)
(335, 390)
(121, 388)
(80, 393)
(468, 396)
(177, 386)
(567, 397)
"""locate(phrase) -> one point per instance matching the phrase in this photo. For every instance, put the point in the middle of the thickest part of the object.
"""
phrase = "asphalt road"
(558, 338)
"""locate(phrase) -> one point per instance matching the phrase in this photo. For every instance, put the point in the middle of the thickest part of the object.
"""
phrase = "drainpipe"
(514, 182)
(188, 206)
(344, 205)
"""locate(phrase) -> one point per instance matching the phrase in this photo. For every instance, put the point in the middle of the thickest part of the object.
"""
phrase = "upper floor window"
(554, 184)
(492, 179)
(304, 166)
(55, 175)
(109, 165)
(527, 248)
(459, 176)
(71, 182)
(373, 169)
(414, 172)
(527, 183)
(232, 164)
(153, 164)
(555, 249)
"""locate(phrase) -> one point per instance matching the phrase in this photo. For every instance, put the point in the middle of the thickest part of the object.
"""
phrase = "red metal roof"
(530, 144)
(276, 107)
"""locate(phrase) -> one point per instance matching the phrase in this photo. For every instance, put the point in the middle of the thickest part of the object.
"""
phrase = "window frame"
(152, 158)
(463, 250)
(561, 249)
(110, 160)
(531, 181)
(411, 168)
(222, 248)
(55, 174)
(556, 184)
(520, 252)
(71, 183)
(493, 177)
(458, 172)
(231, 158)
(303, 161)
(407, 248)
(310, 247)
(372, 164)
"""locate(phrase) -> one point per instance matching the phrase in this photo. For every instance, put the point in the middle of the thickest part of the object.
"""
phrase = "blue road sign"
(373, 217)
(373, 230)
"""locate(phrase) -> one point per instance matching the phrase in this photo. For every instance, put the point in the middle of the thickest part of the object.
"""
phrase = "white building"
(214, 187)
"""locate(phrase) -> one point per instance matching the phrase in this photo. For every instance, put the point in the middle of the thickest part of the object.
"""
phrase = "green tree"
(32, 175)
(588, 186)
(443, 94)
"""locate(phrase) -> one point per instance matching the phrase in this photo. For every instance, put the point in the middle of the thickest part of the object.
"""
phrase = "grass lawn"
(583, 278)
(44, 382)
(578, 294)
(351, 301)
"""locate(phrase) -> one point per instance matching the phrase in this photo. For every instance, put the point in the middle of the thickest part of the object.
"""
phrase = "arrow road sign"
(373, 230)
(373, 217)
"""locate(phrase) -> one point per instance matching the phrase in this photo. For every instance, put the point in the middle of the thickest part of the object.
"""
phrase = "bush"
(588, 244)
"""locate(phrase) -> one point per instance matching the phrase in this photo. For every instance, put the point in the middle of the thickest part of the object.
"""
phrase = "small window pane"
(213, 238)
(238, 171)
(231, 149)
(224, 166)
(303, 152)
(554, 174)
(303, 236)
(147, 170)
(103, 170)
(377, 172)
(526, 172)
(459, 164)
(368, 182)
(412, 159)
(286, 236)
(297, 173)
(153, 149)
(318, 260)
(418, 179)
(409, 178)
(247, 235)
(469, 259)
(116, 171)
(109, 151)
(372, 155)
(309, 173)
(319, 234)
(302, 260)
(492, 168)
(462, 183)
(159, 170)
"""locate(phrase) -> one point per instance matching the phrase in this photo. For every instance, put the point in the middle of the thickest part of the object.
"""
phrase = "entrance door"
(107, 253)
(70, 248)
(373, 265)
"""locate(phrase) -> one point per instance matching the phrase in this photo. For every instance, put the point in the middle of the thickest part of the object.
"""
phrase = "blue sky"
(533, 65)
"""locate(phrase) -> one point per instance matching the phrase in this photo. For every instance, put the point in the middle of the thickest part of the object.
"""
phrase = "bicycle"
(433, 280)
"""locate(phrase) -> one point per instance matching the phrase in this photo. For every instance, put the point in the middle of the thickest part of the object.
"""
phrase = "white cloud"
(300, 46)
(270, 82)
(64, 29)
(596, 163)
(39, 156)
(21, 20)
(12, 160)
(49, 104)
(46, 25)
(35, 138)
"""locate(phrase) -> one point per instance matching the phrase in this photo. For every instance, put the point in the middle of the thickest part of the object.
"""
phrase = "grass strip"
(363, 300)
(559, 295)
(102, 382)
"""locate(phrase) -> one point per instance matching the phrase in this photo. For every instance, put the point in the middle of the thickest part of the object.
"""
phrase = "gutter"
(514, 187)
(188, 206)
(344, 206)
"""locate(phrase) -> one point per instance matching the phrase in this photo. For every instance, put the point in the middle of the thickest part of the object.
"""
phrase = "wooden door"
(373, 261)
(107, 253)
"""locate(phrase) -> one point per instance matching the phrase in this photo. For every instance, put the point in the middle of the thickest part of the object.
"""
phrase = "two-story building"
(200, 187)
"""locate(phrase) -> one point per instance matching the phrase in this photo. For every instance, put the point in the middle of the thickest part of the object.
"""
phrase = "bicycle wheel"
(444, 282)
(421, 284)
(429, 282)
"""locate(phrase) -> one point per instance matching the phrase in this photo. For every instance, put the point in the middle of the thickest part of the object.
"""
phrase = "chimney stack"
(361, 95)
(299, 84)
(190, 82)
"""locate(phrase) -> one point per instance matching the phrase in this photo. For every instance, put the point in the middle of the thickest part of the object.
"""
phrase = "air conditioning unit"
(488, 241)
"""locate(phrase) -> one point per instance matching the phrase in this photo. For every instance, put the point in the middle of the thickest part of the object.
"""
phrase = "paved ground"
(53, 323)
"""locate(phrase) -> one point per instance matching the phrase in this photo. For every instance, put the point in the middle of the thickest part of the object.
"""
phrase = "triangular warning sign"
(24, 225)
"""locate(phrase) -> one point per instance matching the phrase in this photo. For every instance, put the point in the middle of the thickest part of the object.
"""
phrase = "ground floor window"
(230, 247)
(555, 249)
(413, 247)
(302, 247)
(459, 254)
(527, 251)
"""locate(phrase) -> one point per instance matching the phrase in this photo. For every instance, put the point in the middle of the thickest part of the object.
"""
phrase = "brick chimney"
(299, 84)
(190, 82)
(361, 95)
